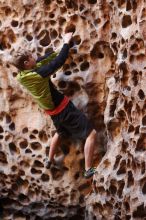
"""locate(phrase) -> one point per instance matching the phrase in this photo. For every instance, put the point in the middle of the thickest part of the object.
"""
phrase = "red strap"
(59, 108)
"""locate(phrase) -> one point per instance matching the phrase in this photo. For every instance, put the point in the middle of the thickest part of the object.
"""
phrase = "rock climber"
(35, 75)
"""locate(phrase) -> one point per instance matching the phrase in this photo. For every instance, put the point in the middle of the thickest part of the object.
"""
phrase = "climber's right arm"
(50, 68)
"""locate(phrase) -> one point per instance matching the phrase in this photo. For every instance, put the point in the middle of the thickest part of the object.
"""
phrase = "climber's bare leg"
(89, 149)
(55, 142)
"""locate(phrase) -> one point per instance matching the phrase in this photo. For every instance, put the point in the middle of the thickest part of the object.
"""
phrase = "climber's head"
(25, 61)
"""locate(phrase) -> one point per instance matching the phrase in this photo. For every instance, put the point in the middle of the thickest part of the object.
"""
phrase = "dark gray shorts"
(72, 123)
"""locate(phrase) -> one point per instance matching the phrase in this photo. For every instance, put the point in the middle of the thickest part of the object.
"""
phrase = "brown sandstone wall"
(105, 77)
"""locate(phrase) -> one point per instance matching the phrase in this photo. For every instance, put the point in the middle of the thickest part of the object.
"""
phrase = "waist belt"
(59, 108)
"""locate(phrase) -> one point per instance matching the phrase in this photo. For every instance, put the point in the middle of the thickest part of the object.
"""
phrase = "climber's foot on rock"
(55, 163)
(89, 173)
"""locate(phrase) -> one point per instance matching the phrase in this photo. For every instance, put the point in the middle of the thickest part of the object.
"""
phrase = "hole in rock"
(134, 4)
(51, 15)
(67, 73)
(8, 119)
(130, 181)
(113, 104)
(72, 88)
(19, 215)
(70, 28)
(127, 206)
(115, 47)
(40, 50)
(121, 115)
(52, 22)
(47, 2)
(35, 131)
(14, 168)
(47, 150)
(128, 107)
(23, 198)
(135, 77)
(144, 188)
(144, 120)
(131, 128)
(62, 21)
(92, 1)
(37, 206)
(84, 66)
(28, 151)
(73, 65)
(45, 177)
(125, 53)
(128, 217)
(101, 189)
(29, 37)
(24, 130)
(121, 185)
(140, 212)
(122, 169)
(65, 149)
(24, 163)
(57, 190)
(114, 127)
(7, 10)
(23, 144)
(118, 158)
(77, 175)
(122, 41)
(128, 6)
(96, 54)
(35, 171)
(141, 94)
(132, 58)
(36, 146)
(123, 67)
(56, 43)
(12, 126)
(75, 70)
(76, 40)
(99, 50)
(14, 23)
(14, 74)
(53, 34)
(37, 163)
(62, 84)
(56, 173)
(1, 129)
(143, 168)
(81, 199)
(13, 148)
(71, 4)
(3, 157)
(134, 47)
(113, 188)
(126, 21)
(141, 144)
(83, 186)
(46, 39)
(43, 136)
(32, 136)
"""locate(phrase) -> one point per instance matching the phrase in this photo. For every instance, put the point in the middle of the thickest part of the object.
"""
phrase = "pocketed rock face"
(105, 77)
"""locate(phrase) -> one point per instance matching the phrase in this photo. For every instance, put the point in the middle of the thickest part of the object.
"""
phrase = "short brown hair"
(21, 58)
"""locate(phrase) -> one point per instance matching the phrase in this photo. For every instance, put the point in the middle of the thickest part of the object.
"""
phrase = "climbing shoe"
(48, 165)
(90, 172)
